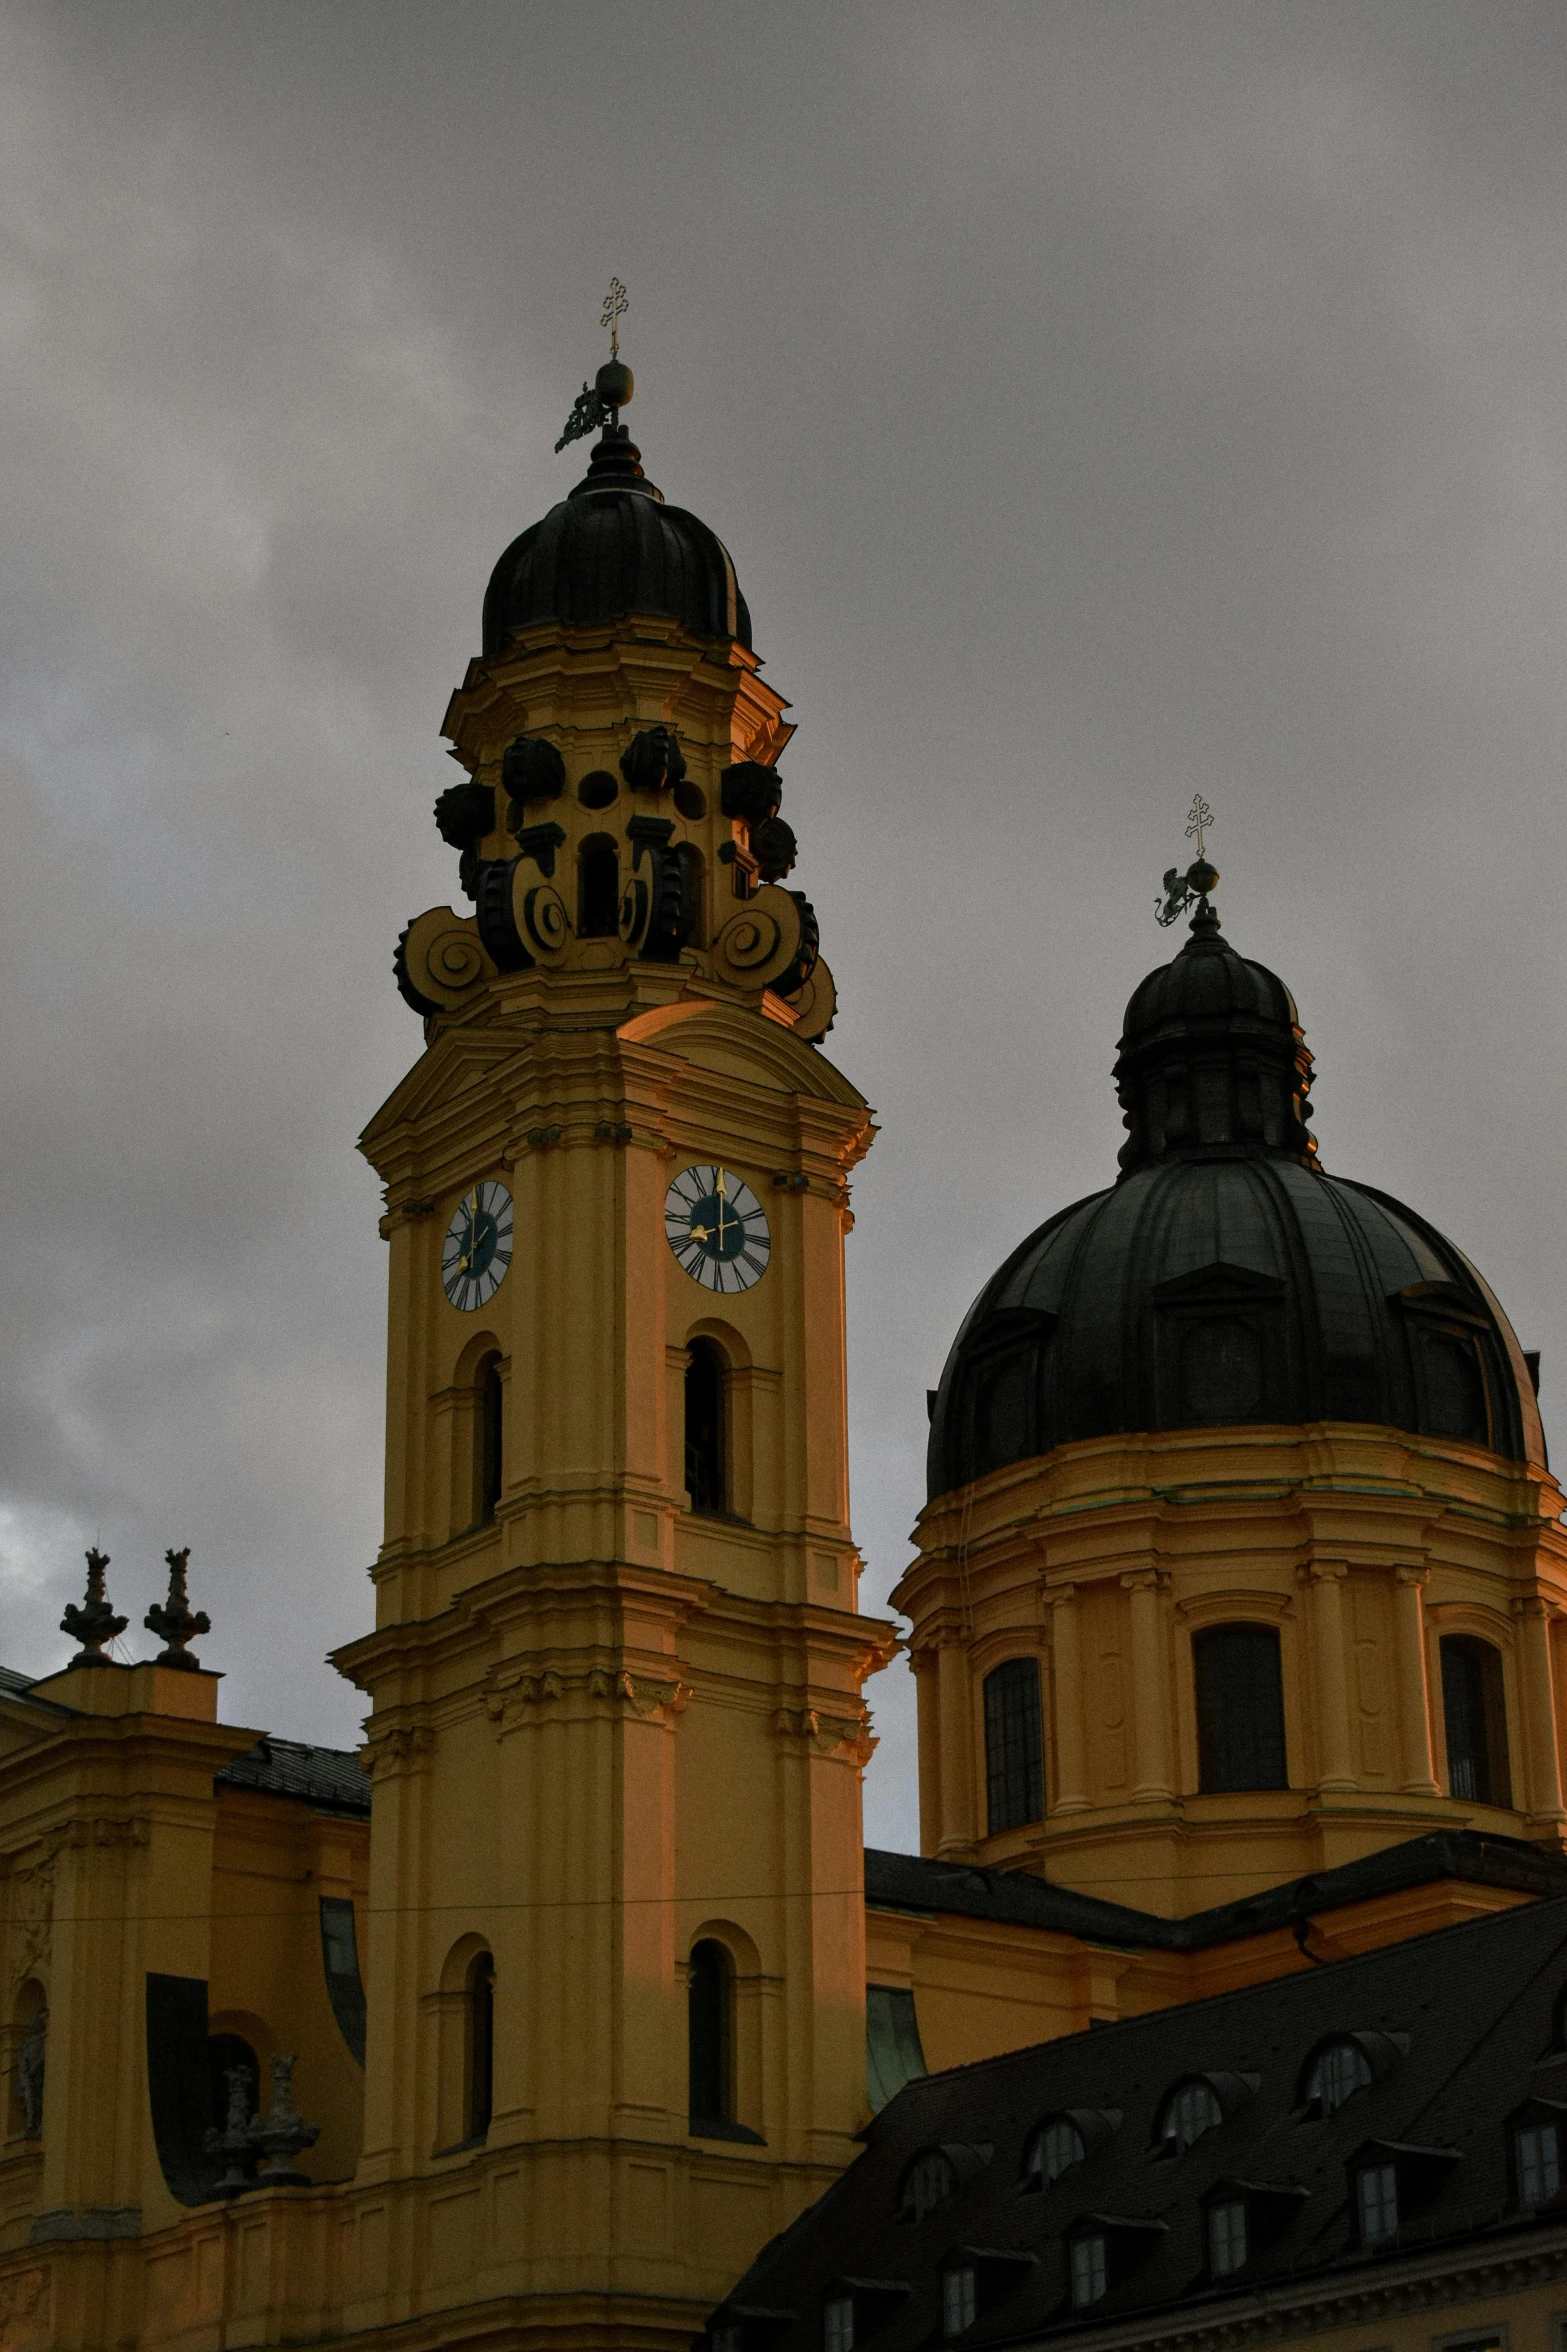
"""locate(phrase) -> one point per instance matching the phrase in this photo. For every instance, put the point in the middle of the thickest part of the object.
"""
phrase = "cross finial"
(616, 305)
(1198, 817)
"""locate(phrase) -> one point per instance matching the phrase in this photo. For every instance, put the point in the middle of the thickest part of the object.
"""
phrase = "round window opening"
(1221, 1371)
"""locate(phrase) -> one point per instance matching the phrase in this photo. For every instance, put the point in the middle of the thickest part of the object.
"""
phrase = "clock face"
(717, 1228)
(477, 1248)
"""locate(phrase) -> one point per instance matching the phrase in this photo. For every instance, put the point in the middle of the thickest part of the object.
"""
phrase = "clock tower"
(616, 1955)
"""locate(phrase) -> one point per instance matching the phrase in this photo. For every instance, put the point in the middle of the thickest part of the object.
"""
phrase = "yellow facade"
(606, 1728)
(1363, 1547)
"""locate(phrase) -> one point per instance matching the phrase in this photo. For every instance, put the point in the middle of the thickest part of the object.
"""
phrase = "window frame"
(1014, 1744)
(1212, 1702)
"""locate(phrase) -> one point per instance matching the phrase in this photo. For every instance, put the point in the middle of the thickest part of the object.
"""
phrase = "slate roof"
(1480, 2005)
(331, 1779)
(917, 1882)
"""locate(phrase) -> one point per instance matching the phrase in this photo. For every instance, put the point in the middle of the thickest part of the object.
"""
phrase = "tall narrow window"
(959, 2300)
(1475, 1714)
(598, 888)
(838, 2324)
(487, 1440)
(1376, 2190)
(1240, 1708)
(481, 2045)
(1090, 2271)
(1539, 2163)
(1014, 1746)
(706, 1483)
(709, 2034)
(1227, 2251)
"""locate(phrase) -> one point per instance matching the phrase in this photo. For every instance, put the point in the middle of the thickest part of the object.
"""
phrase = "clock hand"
(719, 1186)
(700, 1233)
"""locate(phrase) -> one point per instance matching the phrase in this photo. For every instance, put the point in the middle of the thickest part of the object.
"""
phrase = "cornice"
(1462, 2275)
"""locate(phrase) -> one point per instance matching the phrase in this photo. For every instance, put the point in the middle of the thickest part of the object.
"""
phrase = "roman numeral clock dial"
(717, 1228)
(477, 1248)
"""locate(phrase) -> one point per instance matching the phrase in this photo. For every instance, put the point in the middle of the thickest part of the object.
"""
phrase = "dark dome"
(1225, 1279)
(611, 548)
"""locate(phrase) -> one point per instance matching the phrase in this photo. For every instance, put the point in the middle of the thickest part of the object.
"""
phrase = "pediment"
(732, 1041)
(1219, 1284)
(459, 1061)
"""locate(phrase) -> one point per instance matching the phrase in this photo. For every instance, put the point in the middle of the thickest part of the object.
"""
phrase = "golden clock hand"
(719, 1187)
(700, 1233)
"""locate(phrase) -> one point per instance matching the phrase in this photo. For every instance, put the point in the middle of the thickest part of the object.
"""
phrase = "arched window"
(1014, 1746)
(229, 2054)
(1191, 2109)
(929, 2182)
(480, 2039)
(710, 2034)
(1240, 1708)
(1054, 2149)
(488, 1426)
(706, 1438)
(598, 885)
(1475, 1714)
(29, 2046)
(1336, 2074)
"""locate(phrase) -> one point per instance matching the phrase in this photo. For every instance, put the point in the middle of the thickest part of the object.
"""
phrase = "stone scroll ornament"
(175, 1623)
(93, 1623)
(441, 961)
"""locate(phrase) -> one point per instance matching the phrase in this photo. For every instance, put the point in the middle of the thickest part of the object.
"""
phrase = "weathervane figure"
(1192, 887)
(599, 404)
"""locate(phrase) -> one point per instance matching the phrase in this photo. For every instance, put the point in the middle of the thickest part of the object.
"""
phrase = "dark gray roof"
(613, 547)
(331, 1779)
(1225, 1279)
(917, 1882)
(1480, 2006)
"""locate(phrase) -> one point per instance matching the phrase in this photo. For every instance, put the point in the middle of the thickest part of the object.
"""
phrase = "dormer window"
(1537, 2155)
(929, 2181)
(1090, 2269)
(935, 2174)
(1227, 2249)
(1337, 2071)
(1337, 2075)
(1393, 2181)
(1054, 2149)
(959, 2300)
(1189, 2112)
(1376, 2199)
(838, 2324)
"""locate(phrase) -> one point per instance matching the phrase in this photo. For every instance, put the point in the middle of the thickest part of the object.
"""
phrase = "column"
(1067, 1700)
(1409, 1650)
(1150, 1703)
(1539, 1706)
(953, 1683)
(1335, 1768)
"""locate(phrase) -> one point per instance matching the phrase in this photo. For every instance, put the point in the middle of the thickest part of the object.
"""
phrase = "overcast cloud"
(1101, 403)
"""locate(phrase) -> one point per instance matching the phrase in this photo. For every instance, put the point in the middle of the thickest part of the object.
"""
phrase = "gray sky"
(1100, 403)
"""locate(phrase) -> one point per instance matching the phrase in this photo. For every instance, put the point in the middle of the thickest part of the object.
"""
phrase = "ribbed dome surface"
(1225, 1280)
(610, 549)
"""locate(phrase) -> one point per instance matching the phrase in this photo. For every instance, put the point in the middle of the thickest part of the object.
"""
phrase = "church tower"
(616, 1980)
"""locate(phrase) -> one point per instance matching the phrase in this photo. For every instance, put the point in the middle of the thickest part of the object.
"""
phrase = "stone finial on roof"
(93, 1622)
(175, 1622)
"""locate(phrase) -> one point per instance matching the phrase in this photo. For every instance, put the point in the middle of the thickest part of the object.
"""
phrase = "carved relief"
(31, 1910)
(513, 1695)
(398, 1750)
(848, 1738)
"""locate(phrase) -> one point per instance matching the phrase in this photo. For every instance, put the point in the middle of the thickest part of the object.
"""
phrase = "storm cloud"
(1100, 404)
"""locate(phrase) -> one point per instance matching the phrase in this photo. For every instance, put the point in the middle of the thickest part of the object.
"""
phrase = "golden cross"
(1198, 818)
(616, 306)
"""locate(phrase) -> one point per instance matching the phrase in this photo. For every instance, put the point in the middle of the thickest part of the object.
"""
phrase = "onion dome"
(610, 549)
(1225, 1280)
